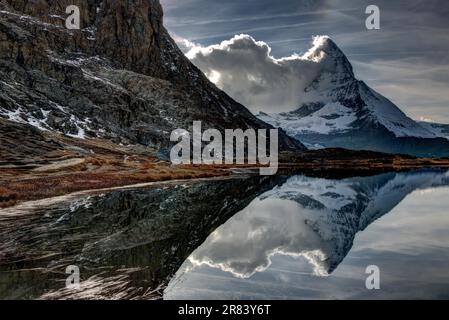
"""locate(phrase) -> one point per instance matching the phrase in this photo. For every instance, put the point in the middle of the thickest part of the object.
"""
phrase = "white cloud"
(247, 243)
(245, 69)
(184, 44)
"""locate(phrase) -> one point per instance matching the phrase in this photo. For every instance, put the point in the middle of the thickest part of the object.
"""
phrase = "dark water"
(292, 237)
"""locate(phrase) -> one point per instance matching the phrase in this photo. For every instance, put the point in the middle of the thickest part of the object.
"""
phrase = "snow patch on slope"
(332, 118)
(20, 116)
(23, 117)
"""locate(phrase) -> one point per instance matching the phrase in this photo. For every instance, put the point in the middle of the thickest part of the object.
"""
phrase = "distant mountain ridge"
(439, 129)
(342, 111)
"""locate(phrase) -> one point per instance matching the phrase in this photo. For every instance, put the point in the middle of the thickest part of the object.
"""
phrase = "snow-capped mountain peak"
(325, 52)
(338, 110)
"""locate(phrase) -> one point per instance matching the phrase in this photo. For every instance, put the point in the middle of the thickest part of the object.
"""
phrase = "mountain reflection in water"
(131, 243)
(301, 232)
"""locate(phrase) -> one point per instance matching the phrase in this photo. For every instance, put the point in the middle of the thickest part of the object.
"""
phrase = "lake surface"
(249, 237)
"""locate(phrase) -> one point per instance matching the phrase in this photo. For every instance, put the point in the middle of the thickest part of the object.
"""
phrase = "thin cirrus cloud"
(184, 23)
(405, 60)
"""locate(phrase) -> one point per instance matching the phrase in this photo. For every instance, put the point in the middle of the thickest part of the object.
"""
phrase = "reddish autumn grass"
(46, 186)
(109, 170)
(7, 197)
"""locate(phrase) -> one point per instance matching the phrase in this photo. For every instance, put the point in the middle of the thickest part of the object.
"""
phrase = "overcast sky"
(407, 60)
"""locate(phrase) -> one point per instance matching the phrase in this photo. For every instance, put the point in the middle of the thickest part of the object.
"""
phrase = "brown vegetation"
(109, 165)
(106, 165)
(94, 173)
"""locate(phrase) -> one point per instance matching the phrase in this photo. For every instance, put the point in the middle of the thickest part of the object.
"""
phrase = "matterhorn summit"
(338, 110)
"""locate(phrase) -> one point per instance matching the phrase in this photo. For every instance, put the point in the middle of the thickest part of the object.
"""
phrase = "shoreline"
(20, 191)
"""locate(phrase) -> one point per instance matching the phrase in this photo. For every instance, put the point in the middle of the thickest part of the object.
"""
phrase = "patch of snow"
(21, 116)
(332, 118)
(90, 75)
(315, 146)
(7, 84)
(318, 189)
(56, 16)
(92, 33)
(13, 115)
(32, 20)
(81, 134)
(58, 106)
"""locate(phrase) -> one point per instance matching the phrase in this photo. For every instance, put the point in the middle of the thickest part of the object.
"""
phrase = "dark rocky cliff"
(121, 76)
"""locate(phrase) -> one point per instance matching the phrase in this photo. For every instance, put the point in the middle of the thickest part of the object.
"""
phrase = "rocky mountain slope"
(120, 77)
(342, 111)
